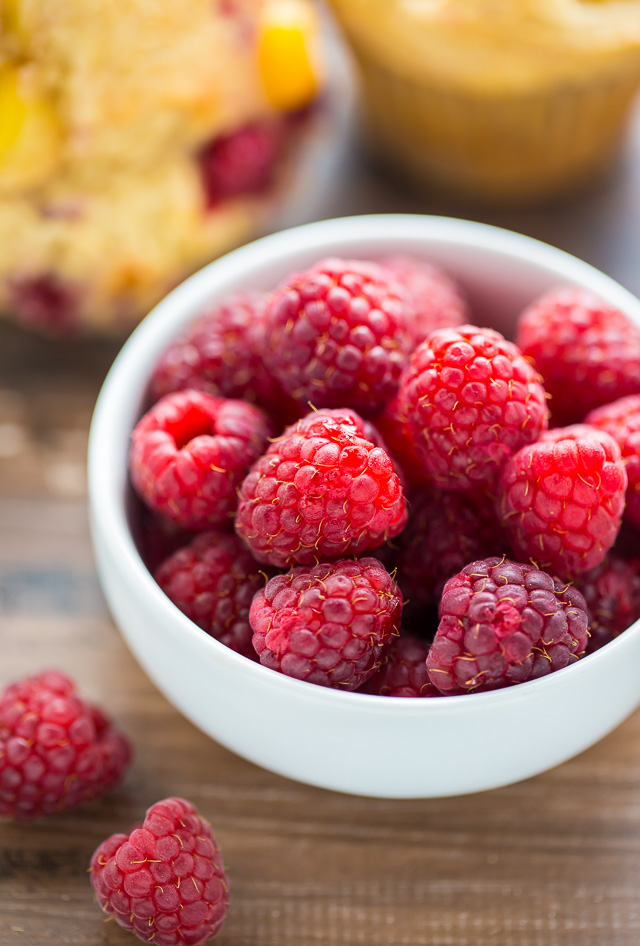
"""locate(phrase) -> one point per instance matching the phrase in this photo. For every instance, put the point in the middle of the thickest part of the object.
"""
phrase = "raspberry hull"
(622, 420)
(56, 751)
(213, 580)
(327, 624)
(322, 490)
(339, 335)
(190, 452)
(472, 401)
(587, 352)
(165, 880)
(561, 499)
(503, 623)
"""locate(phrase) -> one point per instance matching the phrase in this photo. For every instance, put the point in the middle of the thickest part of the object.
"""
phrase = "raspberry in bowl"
(365, 742)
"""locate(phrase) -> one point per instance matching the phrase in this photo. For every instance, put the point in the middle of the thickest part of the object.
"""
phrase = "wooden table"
(554, 861)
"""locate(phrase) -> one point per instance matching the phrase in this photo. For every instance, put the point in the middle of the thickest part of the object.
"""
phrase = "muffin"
(138, 140)
(497, 100)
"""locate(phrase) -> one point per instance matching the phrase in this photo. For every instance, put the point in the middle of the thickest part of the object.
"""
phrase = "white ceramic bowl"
(351, 742)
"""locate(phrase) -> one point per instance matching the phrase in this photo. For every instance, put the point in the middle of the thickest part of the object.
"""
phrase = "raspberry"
(190, 452)
(393, 424)
(322, 490)
(622, 420)
(404, 672)
(587, 352)
(445, 532)
(472, 400)
(56, 750)
(561, 499)
(240, 163)
(503, 623)
(165, 880)
(327, 624)
(220, 353)
(339, 335)
(156, 538)
(438, 302)
(612, 594)
(43, 301)
(213, 580)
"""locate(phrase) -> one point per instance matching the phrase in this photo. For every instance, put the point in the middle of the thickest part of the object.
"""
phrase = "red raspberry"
(472, 400)
(165, 880)
(503, 623)
(213, 580)
(327, 624)
(404, 672)
(242, 162)
(56, 750)
(322, 490)
(445, 532)
(561, 499)
(338, 335)
(612, 594)
(156, 538)
(393, 424)
(190, 452)
(438, 301)
(622, 420)
(220, 353)
(587, 352)
(44, 301)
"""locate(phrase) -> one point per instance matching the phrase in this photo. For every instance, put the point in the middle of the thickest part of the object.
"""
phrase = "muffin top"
(497, 45)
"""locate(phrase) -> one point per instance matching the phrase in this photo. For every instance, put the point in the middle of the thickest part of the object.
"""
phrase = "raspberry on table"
(327, 624)
(561, 499)
(437, 299)
(612, 594)
(339, 335)
(164, 881)
(503, 623)
(220, 353)
(587, 352)
(622, 420)
(472, 401)
(322, 490)
(445, 531)
(404, 670)
(213, 580)
(191, 451)
(56, 750)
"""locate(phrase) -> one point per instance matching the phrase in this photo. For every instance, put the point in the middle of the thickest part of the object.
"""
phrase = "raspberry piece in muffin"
(622, 420)
(560, 500)
(190, 452)
(339, 335)
(503, 623)
(587, 352)
(322, 490)
(471, 401)
(327, 624)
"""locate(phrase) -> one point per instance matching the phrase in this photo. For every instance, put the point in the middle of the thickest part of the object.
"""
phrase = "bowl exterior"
(344, 741)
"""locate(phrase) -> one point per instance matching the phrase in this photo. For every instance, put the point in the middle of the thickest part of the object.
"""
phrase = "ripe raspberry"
(213, 580)
(56, 750)
(445, 532)
(165, 880)
(503, 623)
(242, 162)
(339, 335)
(322, 490)
(438, 301)
(190, 452)
(612, 594)
(404, 672)
(220, 353)
(393, 424)
(472, 400)
(327, 624)
(156, 538)
(622, 420)
(561, 499)
(587, 352)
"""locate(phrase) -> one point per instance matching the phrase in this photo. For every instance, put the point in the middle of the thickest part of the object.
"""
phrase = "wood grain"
(554, 861)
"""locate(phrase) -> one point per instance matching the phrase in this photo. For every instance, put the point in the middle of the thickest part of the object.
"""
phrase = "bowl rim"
(108, 507)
